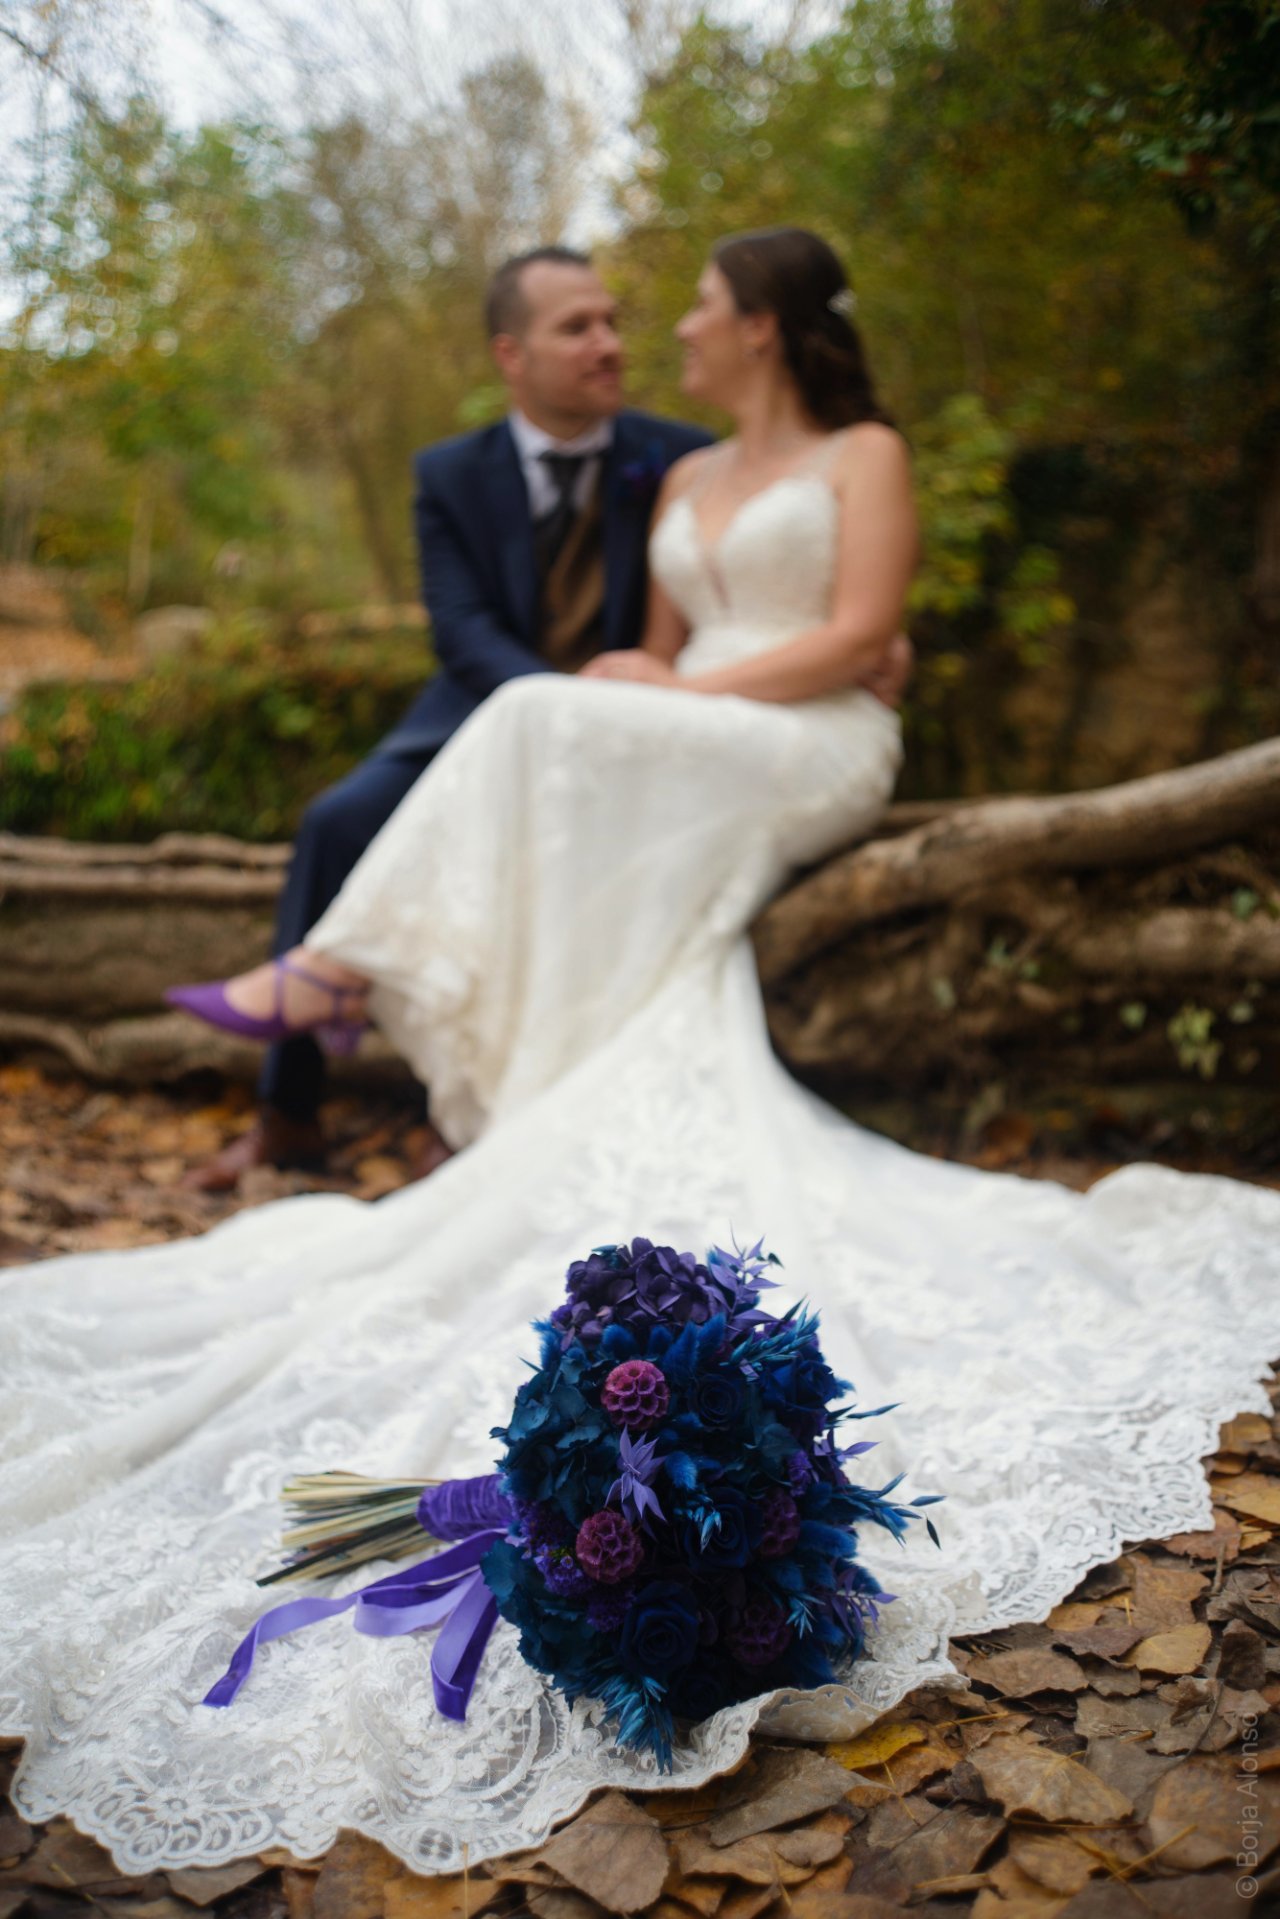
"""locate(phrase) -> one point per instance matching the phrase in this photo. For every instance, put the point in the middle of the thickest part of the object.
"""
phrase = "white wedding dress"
(555, 921)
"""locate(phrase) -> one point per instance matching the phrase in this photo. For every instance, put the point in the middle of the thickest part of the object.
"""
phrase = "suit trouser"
(336, 828)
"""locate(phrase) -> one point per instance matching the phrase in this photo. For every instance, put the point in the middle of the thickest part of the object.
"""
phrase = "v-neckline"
(712, 547)
(709, 550)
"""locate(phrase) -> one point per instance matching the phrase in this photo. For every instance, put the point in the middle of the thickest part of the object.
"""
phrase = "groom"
(532, 537)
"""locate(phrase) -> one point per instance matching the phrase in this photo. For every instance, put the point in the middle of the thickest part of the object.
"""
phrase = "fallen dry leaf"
(459, 1896)
(561, 1902)
(1224, 1539)
(833, 1902)
(1181, 1651)
(1017, 1674)
(1249, 1492)
(814, 1845)
(753, 1859)
(747, 1902)
(1061, 1862)
(953, 1842)
(908, 1769)
(613, 1852)
(1161, 1596)
(876, 1746)
(786, 1784)
(1244, 1432)
(353, 1879)
(1074, 1615)
(203, 1885)
(1012, 1894)
(1023, 1776)
(697, 1895)
(1196, 1816)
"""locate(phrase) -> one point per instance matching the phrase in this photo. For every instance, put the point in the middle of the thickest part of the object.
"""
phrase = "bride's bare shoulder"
(871, 454)
(872, 445)
(682, 473)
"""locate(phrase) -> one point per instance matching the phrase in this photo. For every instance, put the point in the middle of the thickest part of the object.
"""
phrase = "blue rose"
(660, 1632)
(703, 1688)
(718, 1398)
(799, 1389)
(734, 1539)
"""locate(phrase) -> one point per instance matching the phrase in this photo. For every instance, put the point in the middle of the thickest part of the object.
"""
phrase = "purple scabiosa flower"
(780, 1523)
(760, 1633)
(635, 1394)
(608, 1610)
(564, 1576)
(608, 1547)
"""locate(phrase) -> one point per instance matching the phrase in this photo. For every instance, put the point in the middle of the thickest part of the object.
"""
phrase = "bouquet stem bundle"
(337, 1520)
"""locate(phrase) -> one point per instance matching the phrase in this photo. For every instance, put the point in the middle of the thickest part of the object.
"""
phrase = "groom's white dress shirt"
(531, 440)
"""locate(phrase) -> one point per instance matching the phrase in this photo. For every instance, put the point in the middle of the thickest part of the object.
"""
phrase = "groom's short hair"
(506, 310)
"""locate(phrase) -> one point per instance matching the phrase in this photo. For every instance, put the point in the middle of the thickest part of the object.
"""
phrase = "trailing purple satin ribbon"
(447, 1590)
(458, 1507)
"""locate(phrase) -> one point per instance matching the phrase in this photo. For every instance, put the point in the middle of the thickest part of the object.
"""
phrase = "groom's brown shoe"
(273, 1140)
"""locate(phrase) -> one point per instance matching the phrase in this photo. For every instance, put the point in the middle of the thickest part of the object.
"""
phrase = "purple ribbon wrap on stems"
(457, 1507)
(447, 1590)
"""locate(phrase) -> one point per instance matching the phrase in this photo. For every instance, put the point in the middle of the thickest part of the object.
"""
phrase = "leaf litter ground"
(1120, 1758)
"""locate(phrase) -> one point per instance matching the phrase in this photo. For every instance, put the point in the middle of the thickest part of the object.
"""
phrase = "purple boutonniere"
(642, 476)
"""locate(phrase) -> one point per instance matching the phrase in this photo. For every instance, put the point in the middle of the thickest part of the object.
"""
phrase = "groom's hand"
(889, 678)
(629, 664)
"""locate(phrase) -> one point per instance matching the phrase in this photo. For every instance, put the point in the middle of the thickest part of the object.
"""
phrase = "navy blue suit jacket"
(479, 576)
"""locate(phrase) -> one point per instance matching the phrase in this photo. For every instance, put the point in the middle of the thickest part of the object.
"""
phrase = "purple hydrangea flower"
(635, 1285)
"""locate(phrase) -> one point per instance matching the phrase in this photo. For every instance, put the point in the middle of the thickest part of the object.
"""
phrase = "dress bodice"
(769, 575)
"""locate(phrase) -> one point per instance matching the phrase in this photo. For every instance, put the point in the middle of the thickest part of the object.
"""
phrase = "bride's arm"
(875, 559)
(665, 627)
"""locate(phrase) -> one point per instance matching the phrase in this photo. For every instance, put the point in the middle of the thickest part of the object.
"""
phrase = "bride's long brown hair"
(791, 273)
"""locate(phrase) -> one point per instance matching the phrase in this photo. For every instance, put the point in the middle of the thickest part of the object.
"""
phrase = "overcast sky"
(293, 61)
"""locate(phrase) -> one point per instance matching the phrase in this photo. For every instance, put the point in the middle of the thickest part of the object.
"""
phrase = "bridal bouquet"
(670, 1528)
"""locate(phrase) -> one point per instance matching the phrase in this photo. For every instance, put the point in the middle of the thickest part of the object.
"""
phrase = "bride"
(551, 930)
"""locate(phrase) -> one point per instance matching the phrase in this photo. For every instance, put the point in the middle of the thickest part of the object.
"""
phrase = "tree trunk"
(1127, 934)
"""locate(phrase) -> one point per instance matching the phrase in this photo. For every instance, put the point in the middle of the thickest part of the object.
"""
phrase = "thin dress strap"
(824, 457)
(707, 468)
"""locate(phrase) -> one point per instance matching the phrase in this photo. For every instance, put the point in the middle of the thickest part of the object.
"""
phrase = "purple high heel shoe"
(336, 1031)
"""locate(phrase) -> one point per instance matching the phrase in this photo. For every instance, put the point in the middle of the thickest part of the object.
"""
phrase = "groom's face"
(564, 366)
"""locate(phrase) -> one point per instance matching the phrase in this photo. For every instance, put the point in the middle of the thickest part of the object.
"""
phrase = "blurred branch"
(49, 61)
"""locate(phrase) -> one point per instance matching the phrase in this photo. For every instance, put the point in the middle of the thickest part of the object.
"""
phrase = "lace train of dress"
(554, 922)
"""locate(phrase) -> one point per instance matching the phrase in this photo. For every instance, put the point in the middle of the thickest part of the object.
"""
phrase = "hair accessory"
(844, 303)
